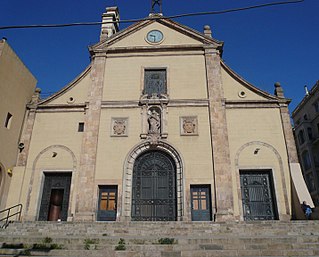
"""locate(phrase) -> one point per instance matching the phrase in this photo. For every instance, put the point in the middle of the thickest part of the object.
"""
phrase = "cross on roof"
(158, 4)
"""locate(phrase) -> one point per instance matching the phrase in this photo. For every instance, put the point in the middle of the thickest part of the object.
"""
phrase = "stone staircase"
(161, 239)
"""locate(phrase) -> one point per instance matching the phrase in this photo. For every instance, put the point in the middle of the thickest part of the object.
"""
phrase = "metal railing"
(8, 214)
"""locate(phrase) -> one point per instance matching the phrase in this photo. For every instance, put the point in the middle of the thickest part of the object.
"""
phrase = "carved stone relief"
(189, 125)
(119, 127)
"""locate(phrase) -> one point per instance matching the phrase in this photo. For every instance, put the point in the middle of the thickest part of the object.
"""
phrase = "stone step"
(164, 229)
(271, 238)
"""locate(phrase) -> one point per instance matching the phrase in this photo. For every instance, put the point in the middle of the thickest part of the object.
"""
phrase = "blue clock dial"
(154, 36)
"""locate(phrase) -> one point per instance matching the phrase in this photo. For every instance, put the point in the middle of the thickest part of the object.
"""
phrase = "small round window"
(242, 94)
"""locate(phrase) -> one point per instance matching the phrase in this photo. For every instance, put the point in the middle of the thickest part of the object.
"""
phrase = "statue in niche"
(154, 122)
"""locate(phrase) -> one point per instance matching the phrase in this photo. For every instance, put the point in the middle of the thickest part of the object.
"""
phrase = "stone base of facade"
(225, 216)
(84, 216)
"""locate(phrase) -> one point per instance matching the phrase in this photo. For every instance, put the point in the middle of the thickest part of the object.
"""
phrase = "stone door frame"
(139, 149)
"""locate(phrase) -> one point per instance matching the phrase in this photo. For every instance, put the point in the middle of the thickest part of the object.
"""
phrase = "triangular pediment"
(174, 34)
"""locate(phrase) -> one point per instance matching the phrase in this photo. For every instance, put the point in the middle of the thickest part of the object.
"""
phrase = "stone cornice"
(171, 103)
(230, 104)
(148, 49)
(62, 108)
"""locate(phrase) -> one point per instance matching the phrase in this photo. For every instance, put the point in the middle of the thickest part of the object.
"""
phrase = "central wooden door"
(154, 188)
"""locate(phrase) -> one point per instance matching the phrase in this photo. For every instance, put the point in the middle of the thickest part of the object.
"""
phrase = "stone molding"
(282, 175)
(171, 103)
(125, 212)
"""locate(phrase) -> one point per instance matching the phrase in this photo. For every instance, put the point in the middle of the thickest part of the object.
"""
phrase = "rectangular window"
(309, 131)
(301, 137)
(81, 127)
(310, 182)
(306, 160)
(155, 82)
(8, 121)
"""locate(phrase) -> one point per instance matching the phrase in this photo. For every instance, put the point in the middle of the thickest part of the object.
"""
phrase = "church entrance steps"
(266, 238)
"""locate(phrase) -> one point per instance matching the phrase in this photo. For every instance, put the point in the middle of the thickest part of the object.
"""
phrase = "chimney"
(306, 90)
(110, 20)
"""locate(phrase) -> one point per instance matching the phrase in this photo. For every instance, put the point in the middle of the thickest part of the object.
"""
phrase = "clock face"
(154, 36)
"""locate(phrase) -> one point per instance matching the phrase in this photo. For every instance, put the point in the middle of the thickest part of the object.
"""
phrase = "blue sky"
(263, 46)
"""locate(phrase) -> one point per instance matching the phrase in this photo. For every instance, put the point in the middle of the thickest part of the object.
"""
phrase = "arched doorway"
(154, 187)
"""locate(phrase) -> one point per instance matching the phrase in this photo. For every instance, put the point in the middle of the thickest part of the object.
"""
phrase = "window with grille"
(155, 82)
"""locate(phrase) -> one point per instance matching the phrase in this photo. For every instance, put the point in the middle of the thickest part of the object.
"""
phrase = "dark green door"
(200, 203)
(257, 195)
(154, 188)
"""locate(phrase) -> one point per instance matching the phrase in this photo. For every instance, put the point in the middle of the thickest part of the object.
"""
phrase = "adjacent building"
(158, 128)
(17, 86)
(306, 128)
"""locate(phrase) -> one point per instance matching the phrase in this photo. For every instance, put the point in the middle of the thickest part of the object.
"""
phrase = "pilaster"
(289, 137)
(219, 137)
(85, 195)
(25, 140)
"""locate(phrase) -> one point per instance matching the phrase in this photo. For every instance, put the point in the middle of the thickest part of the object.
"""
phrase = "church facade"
(158, 128)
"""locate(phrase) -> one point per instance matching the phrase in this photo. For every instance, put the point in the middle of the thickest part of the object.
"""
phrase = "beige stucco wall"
(52, 133)
(76, 92)
(233, 89)
(126, 75)
(251, 129)
(17, 86)
(195, 150)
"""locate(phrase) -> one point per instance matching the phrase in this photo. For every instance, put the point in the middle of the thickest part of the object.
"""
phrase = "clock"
(154, 36)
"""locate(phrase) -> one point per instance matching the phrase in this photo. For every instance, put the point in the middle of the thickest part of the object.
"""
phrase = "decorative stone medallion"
(189, 125)
(119, 127)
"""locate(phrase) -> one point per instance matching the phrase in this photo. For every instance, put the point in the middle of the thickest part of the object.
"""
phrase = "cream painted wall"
(195, 150)
(233, 89)
(186, 77)
(263, 127)
(171, 37)
(76, 92)
(17, 86)
(112, 151)
(52, 132)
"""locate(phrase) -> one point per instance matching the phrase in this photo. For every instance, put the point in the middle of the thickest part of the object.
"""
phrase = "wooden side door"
(107, 203)
(201, 203)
